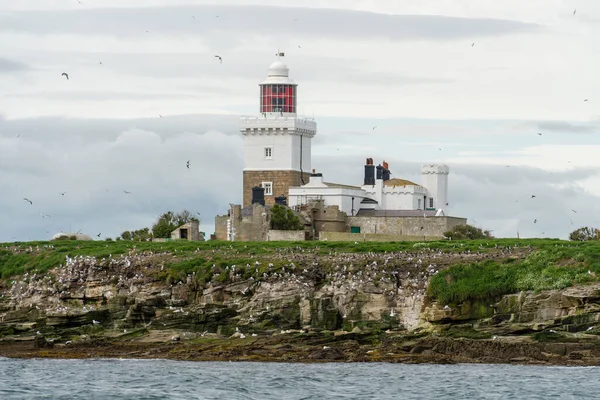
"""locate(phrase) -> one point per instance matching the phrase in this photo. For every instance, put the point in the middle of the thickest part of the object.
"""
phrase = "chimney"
(316, 179)
(386, 172)
(369, 172)
(258, 195)
(379, 172)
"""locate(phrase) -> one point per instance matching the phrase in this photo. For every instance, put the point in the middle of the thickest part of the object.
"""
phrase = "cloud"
(288, 22)
(11, 66)
(567, 127)
(95, 161)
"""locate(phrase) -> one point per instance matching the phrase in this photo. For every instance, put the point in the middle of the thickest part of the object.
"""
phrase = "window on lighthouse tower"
(278, 98)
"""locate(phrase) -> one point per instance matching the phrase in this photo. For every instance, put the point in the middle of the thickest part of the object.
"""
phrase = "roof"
(330, 184)
(248, 211)
(399, 182)
(368, 201)
(395, 213)
(279, 73)
(278, 68)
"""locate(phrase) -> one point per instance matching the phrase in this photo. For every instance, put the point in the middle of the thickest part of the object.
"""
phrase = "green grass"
(552, 266)
(556, 264)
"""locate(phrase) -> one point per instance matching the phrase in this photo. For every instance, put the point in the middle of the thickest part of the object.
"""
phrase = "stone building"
(189, 231)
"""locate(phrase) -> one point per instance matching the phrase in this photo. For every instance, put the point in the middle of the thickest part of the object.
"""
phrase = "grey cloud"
(96, 160)
(239, 64)
(283, 21)
(567, 127)
(104, 95)
(49, 129)
(11, 66)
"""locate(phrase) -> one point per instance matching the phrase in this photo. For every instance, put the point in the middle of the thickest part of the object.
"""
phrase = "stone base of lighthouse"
(282, 180)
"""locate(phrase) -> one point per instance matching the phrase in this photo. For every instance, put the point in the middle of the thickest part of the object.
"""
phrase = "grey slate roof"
(395, 213)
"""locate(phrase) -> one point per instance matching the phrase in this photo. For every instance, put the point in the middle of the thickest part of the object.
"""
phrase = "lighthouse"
(277, 142)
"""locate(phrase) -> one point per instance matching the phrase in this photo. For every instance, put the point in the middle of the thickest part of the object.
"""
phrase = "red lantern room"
(278, 93)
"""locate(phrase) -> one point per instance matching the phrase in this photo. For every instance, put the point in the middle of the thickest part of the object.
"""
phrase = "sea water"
(163, 379)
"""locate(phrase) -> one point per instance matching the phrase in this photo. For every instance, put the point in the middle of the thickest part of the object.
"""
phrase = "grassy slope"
(556, 264)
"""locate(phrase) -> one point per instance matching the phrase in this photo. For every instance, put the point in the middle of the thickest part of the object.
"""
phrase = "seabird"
(539, 133)
(472, 44)
(26, 199)
(65, 75)
(220, 59)
(532, 196)
(62, 193)
(126, 192)
(585, 100)
(99, 234)
(374, 127)
(188, 164)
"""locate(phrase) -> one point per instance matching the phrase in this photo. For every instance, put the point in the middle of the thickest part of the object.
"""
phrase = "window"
(268, 152)
(431, 202)
(418, 204)
(268, 186)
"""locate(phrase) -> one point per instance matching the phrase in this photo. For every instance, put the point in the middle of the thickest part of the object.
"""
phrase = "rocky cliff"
(292, 304)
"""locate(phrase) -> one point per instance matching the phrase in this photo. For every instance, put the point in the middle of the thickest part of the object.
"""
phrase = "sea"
(164, 379)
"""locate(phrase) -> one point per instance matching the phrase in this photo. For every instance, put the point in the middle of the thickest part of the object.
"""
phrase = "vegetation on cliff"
(554, 264)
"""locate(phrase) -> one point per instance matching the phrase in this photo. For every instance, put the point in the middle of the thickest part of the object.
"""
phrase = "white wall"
(254, 152)
(435, 179)
(306, 153)
(282, 133)
(332, 196)
(401, 199)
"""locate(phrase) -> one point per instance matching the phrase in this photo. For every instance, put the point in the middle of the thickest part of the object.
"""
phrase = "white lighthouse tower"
(277, 143)
(435, 179)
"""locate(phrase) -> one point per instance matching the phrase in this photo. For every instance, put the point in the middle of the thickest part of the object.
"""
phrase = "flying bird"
(45, 215)
(188, 164)
(100, 62)
(574, 211)
(574, 11)
(539, 133)
(532, 196)
(126, 192)
(374, 127)
(472, 44)
(26, 199)
(220, 58)
(62, 193)
(585, 100)
(99, 234)
(65, 75)
(160, 115)
(535, 221)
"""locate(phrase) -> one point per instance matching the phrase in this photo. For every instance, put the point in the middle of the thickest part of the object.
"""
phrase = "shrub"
(284, 219)
(584, 234)
(467, 232)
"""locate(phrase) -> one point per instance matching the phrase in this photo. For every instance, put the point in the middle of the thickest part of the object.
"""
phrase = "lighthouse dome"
(278, 68)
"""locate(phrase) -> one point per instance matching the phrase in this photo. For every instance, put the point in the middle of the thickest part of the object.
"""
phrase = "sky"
(495, 90)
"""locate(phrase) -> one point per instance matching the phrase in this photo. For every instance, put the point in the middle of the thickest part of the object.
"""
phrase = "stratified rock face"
(573, 309)
(377, 292)
(325, 292)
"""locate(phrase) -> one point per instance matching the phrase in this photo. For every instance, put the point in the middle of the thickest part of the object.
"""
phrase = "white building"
(277, 145)
(379, 194)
